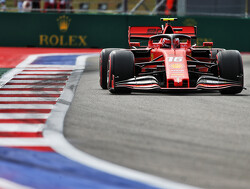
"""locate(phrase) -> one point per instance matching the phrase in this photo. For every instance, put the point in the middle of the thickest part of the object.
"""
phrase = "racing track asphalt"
(200, 139)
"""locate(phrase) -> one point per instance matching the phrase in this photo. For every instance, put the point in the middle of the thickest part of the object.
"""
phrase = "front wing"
(150, 83)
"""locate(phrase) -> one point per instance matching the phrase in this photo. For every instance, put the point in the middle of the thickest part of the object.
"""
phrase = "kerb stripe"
(35, 78)
(21, 134)
(30, 95)
(27, 102)
(35, 83)
(30, 121)
(35, 70)
(31, 89)
(45, 74)
(36, 148)
(43, 111)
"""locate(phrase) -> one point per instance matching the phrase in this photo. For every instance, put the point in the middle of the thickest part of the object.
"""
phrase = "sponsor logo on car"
(176, 65)
(154, 31)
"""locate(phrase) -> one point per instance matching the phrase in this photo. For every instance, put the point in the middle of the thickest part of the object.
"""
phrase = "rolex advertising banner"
(102, 31)
(62, 30)
(63, 39)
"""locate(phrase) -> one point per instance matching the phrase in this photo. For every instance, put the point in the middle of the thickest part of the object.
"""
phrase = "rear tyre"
(121, 67)
(215, 51)
(230, 67)
(103, 63)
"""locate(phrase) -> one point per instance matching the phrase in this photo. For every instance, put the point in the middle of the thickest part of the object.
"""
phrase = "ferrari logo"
(176, 66)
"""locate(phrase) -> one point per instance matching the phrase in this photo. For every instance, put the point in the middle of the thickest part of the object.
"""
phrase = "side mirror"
(134, 44)
(208, 44)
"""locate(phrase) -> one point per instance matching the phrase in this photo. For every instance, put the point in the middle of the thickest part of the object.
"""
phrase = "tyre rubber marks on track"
(26, 102)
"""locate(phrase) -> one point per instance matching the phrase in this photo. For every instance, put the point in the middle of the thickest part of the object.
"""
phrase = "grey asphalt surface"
(200, 139)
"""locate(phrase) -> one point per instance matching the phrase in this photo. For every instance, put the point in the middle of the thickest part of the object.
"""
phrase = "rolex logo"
(63, 23)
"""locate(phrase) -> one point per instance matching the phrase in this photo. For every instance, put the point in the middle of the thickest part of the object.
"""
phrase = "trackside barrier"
(101, 31)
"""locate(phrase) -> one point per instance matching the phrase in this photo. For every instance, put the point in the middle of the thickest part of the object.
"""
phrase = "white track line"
(43, 72)
(80, 60)
(66, 149)
(23, 141)
(26, 106)
(70, 67)
(50, 68)
(6, 184)
(30, 92)
(14, 127)
(23, 116)
(38, 81)
(33, 86)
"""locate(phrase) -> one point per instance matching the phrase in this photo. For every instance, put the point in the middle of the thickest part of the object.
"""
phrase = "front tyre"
(230, 67)
(103, 63)
(121, 67)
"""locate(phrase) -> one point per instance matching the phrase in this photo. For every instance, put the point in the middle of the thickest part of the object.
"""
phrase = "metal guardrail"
(143, 7)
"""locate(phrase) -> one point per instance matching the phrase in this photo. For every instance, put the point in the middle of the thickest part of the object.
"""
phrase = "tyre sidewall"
(121, 66)
(103, 63)
(230, 67)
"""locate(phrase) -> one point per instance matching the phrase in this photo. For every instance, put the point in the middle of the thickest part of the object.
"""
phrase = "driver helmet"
(166, 43)
(177, 43)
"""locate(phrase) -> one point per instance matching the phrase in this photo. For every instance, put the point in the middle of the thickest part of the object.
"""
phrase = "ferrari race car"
(168, 62)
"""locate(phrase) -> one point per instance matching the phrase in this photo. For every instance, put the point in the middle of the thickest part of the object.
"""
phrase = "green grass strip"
(3, 70)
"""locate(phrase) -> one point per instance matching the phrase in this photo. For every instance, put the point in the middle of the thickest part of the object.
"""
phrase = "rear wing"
(186, 30)
(145, 32)
(142, 32)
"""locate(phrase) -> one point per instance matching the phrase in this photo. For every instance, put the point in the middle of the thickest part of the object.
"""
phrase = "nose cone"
(176, 69)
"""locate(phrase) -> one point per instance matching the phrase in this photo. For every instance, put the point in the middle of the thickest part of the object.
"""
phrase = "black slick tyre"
(121, 67)
(230, 67)
(215, 51)
(103, 63)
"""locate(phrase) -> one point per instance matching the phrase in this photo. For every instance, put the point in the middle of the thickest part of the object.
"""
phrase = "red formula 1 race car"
(168, 62)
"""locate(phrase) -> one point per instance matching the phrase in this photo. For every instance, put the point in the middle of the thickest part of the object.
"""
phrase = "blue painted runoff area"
(51, 170)
(57, 60)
